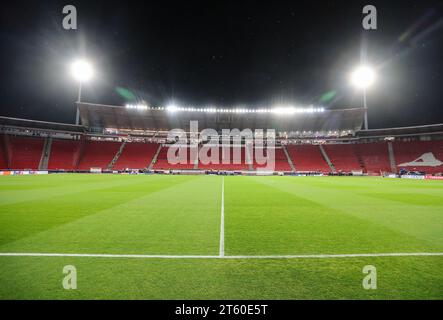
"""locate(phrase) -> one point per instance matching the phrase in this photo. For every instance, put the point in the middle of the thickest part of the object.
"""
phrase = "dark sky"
(224, 53)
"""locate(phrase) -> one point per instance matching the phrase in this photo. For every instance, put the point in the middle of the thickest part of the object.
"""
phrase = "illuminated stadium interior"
(114, 138)
(213, 157)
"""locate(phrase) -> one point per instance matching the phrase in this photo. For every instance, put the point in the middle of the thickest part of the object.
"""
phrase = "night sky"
(224, 54)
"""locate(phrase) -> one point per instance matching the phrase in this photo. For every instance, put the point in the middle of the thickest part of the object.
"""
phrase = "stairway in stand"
(360, 159)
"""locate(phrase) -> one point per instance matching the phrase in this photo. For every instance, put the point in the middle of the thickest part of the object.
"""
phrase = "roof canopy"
(43, 125)
(159, 119)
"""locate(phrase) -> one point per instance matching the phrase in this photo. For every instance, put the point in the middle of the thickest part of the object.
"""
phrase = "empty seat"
(26, 152)
(63, 154)
(98, 154)
(343, 157)
(375, 156)
(136, 155)
(229, 158)
(3, 153)
(163, 163)
(424, 156)
(280, 160)
(308, 158)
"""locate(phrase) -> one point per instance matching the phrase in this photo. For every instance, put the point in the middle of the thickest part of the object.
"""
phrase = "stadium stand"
(26, 152)
(374, 156)
(62, 156)
(243, 166)
(281, 161)
(4, 152)
(343, 157)
(163, 164)
(308, 158)
(98, 154)
(111, 138)
(424, 156)
(136, 155)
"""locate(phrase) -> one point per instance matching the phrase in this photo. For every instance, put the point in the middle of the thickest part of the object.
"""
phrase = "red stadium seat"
(136, 155)
(23, 152)
(280, 163)
(374, 156)
(63, 154)
(424, 156)
(98, 154)
(232, 165)
(163, 163)
(343, 157)
(26, 152)
(308, 158)
(3, 152)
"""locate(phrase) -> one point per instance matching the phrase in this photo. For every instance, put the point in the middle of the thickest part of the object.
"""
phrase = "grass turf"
(180, 215)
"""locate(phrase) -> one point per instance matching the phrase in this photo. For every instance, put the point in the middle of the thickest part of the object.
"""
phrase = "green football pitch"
(213, 237)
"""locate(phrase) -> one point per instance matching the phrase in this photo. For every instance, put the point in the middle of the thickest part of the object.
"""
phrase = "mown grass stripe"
(147, 256)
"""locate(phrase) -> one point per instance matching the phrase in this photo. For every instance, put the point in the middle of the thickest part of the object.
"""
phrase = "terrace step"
(325, 156)
(359, 158)
(46, 151)
(78, 156)
(154, 158)
(117, 155)
(291, 164)
(248, 159)
(392, 157)
(196, 160)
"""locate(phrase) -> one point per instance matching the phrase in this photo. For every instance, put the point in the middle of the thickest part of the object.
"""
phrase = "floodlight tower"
(362, 78)
(82, 71)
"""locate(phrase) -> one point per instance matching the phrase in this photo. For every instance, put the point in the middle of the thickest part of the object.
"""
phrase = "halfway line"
(222, 222)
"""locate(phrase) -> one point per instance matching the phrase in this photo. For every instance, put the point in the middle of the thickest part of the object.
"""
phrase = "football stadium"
(105, 196)
(203, 202)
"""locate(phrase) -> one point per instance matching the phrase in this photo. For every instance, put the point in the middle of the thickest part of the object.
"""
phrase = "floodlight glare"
(363, 77)
(172, 108)
(81, 70)
(137, 106)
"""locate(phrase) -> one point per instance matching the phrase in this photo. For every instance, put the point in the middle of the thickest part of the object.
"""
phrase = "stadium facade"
(119, 138)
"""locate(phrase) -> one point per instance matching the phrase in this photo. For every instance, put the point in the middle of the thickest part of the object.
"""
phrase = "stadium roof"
(7, 124)
(43, 125)
(160, 119)
(432, 129)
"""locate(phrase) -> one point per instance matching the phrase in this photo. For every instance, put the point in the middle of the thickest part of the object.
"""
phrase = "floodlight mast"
(82, 72)
(79, 99)
(365, 106)
(363, 77)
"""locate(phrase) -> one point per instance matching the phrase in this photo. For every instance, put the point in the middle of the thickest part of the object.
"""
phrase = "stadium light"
(82, 71)
(137, 106)
(362, 78)
(172, 108)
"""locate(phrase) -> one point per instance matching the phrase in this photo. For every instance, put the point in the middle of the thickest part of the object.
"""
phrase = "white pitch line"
(345, 255)
(222, 222)
(146, 256)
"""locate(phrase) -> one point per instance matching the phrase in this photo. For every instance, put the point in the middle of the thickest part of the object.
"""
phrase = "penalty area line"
(145, 256)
